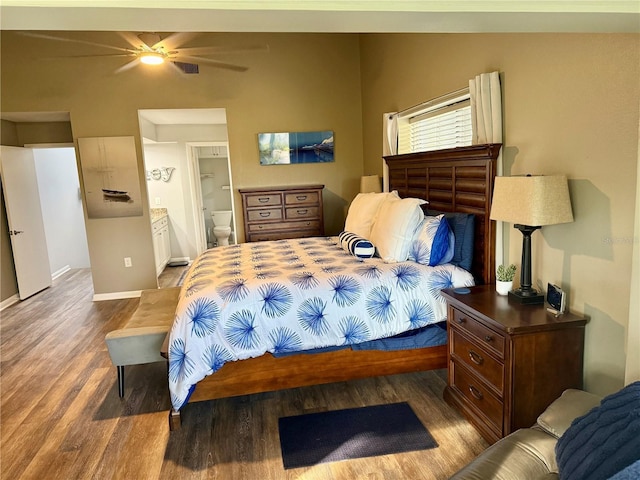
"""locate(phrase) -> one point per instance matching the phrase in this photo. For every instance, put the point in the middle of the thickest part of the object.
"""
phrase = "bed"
(455, 180)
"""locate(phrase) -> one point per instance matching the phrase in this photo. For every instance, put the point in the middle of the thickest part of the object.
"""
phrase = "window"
(444, 122)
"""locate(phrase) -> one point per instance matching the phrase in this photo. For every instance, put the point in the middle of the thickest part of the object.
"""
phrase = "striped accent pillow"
(356, 245)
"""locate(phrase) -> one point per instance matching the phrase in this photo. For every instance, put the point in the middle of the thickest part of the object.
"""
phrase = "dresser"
(508, 362)
(274, 213)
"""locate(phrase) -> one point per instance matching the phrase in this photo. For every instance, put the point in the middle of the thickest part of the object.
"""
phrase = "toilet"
(221, 226)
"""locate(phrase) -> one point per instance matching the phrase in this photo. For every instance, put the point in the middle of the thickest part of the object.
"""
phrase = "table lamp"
(370, 183)
(530, 202)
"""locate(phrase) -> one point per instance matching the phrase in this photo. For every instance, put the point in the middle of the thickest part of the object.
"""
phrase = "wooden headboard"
(454, 180)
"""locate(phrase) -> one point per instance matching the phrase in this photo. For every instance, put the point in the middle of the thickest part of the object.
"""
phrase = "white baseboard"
(60, 272)
(9, 301)
(99, 297)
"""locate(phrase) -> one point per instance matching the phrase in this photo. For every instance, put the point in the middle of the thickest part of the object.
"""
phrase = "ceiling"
(27, 117)
(353, 16)
(323, 16)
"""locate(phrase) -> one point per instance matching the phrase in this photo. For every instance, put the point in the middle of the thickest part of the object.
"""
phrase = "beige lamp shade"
(370, 183)
(533, 200)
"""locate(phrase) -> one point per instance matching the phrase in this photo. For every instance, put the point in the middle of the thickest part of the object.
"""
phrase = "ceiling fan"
(151, 49)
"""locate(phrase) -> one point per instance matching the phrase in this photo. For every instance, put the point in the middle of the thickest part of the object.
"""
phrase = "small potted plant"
(504, 278)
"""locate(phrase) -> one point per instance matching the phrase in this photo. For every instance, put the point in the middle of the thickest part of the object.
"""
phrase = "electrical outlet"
(127, 262)
(158, 202)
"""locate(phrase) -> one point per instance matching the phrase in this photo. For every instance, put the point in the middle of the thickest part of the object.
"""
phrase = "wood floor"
(61, 417)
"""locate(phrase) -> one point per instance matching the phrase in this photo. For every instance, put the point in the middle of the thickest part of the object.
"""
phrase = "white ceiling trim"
(620, 6)
(314, 16)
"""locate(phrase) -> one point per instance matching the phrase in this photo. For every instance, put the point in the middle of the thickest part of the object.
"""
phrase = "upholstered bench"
(140, 340)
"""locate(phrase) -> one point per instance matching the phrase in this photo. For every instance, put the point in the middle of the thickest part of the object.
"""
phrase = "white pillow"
(362, 212)
(395, 226)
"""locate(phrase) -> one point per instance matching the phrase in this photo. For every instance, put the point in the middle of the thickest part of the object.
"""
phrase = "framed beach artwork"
(288, 148)
(110, 176)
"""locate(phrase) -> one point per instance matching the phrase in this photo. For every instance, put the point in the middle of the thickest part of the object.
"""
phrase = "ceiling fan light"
(152, 58)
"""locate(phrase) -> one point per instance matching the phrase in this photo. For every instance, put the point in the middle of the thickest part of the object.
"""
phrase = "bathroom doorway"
(171, 139)
(211, 171)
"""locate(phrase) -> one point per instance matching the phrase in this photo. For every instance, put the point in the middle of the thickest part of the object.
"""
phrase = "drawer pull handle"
(265, 214)
(263, 199)
(260, 226)
(488, 338)
(301, 198)
(302, 212)
(461, 320)
(475, 357)
(477, 394)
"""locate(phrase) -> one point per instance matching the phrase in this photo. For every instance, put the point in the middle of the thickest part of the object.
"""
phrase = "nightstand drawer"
(264, 215)
(301, 197)
(263, 200)
(478, 360)
(478, 395)
(485, 336)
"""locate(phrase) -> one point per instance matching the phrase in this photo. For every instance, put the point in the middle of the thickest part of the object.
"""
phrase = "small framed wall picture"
(288, 148)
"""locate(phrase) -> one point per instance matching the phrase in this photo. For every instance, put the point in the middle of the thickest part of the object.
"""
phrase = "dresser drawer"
(485, 336)
(264, 215)
(478, 360)
(476, 394)
(301, 197)
(301, 212)
(263, 200)
(294, 226)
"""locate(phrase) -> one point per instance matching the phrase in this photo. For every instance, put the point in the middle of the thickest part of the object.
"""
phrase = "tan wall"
(8, 282)
(570, 107)
(8, 133)
(304, 82)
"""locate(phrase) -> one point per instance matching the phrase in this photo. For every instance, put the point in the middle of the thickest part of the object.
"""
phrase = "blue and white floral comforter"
(244, 300)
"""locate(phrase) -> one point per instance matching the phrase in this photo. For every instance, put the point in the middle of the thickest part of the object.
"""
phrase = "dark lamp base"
(528, 297)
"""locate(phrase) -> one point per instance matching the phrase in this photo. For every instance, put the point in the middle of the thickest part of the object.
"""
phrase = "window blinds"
(441, 123)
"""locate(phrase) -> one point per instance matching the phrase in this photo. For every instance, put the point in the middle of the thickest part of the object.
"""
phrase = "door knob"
(15, 232)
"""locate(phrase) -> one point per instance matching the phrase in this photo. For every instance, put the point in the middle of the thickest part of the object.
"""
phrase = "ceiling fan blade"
(128, 66)
(58, 57)
(222, 50)
(73, 40)
(174, 40)
(132, 39)
(213, 63)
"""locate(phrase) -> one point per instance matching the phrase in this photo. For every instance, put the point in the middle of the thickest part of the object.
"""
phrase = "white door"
(196, 199)
(24, 216)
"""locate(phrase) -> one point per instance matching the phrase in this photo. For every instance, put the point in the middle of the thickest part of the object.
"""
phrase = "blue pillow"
(463, 226)
(356, 245)
(604, 441)
(433, 242)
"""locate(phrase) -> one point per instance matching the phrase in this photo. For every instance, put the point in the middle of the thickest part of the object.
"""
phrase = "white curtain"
(486, 108)
(486, 123)
(389, 144)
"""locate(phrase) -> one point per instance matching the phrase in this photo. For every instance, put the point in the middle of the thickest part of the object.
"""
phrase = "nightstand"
(508, 361)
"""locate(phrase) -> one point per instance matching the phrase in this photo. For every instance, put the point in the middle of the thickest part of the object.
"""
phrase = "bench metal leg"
(120, 380)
